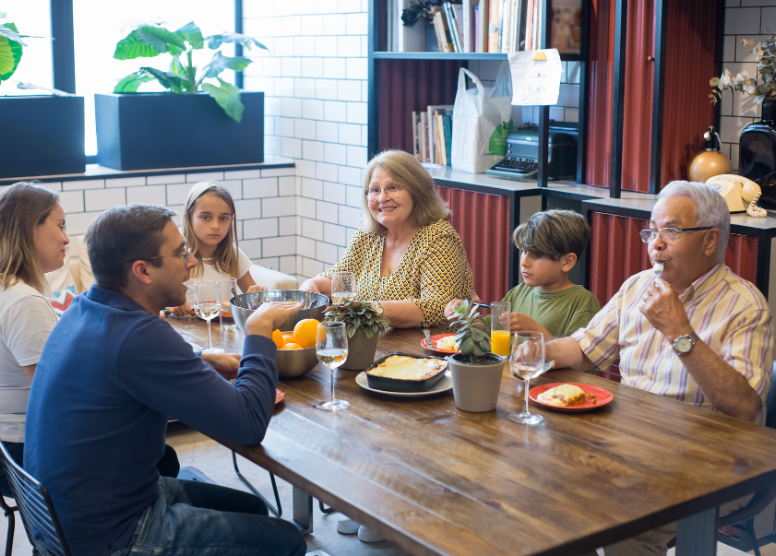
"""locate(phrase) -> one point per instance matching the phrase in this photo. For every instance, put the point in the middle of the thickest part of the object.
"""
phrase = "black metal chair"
(36, 510)
(9, 511)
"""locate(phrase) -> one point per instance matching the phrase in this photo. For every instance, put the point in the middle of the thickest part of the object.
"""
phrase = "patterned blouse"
(433, 271)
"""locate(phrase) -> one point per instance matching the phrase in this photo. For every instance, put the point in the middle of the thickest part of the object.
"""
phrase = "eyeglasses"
(669, 235)
(390, 192)
(186, 254)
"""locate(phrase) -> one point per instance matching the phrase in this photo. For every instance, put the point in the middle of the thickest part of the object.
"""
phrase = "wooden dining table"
(440, 481)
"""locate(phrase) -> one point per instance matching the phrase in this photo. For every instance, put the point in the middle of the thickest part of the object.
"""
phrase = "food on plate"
(447, 343)
(306, 332)
(401, 367)
(565, 395)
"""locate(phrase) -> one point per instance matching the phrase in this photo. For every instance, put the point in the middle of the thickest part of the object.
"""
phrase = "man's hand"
(665, 311)
(225, 364)
(182, 311)
(449, 308)
(270, 316)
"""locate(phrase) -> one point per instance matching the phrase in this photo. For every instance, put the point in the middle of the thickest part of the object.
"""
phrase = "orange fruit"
(288, 337)
(306, 332)
(277, 337)
(291, 345)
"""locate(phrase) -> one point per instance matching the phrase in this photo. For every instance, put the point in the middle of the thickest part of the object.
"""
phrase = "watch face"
(683, 344)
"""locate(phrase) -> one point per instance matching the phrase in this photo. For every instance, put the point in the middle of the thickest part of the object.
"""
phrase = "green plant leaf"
(162, 40)
(228, 97)
(167, 80)
(220, 63)
(131, 47)
(192, 34)
(10, 52)
(215, 41)
(131, 82)
(9, 31)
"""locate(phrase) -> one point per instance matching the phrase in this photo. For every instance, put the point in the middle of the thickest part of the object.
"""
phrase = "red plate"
(424, 344)
(278, 396)
(602, 396)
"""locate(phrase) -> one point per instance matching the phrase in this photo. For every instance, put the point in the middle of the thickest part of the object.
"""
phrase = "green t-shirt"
(562, 313)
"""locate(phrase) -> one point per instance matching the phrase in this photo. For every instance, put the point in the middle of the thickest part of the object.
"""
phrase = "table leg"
(303, 511)
(697, 535)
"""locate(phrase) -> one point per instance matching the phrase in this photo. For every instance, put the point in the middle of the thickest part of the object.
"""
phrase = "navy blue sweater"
(109, 377)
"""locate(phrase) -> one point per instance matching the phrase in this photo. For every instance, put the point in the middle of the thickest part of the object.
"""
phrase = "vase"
(361, 352)
(757, 152)
(476, 386)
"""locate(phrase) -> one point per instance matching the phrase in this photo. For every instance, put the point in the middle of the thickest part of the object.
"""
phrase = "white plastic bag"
(481, 122)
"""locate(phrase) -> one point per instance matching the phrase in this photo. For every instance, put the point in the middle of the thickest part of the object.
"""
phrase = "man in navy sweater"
(110, 376)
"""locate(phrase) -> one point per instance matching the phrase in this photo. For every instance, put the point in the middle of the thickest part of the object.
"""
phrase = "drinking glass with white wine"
(331, 348)
(207, 304)
(343, 287)
(527, 362)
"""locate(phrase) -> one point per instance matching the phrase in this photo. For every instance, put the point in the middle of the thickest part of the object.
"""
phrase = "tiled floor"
(195, 449)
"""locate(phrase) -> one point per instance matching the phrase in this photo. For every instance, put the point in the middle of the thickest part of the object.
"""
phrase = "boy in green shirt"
(550, 244)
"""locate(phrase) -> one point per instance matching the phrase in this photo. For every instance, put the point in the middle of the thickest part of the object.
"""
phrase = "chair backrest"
(770, 402)
(37, 511)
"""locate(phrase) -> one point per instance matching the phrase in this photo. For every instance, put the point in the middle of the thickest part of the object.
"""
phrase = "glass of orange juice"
(499, 328)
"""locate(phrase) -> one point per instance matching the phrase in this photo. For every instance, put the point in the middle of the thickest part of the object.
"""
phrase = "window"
(99, 25)
(31, 17)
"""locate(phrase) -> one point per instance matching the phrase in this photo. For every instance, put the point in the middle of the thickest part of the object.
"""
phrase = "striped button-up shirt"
(728, 314)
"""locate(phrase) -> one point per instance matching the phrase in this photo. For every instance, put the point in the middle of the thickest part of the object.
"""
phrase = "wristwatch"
(684, 344)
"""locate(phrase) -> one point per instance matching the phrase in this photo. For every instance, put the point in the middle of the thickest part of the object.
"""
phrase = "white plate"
(443, 385)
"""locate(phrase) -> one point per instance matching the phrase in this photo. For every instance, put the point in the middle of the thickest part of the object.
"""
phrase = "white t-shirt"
(210, 273)
(26, 320)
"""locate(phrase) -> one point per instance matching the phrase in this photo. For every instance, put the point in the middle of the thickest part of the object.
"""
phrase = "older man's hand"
(664, 310)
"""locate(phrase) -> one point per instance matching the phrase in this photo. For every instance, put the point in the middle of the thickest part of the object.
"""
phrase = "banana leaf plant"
(183, 76)
(11, 44)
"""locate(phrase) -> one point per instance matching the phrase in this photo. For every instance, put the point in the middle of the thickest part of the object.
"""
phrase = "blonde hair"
(23, 207)
(225, 258)
(428, 206)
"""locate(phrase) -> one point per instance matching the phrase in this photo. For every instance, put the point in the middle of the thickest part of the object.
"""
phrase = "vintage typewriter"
(522, 159)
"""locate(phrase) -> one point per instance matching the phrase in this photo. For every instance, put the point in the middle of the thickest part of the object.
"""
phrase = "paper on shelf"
(535, 82)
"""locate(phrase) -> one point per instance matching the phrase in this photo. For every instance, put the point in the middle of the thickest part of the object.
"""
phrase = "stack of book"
(432, 134)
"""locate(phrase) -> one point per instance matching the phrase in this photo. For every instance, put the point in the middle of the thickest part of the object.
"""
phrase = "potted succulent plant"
(363, 322)
(45, 133)
(212, 122)
(475, 371)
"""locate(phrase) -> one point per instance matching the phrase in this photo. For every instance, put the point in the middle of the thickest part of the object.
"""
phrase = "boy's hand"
(449, 308)
(519, 322)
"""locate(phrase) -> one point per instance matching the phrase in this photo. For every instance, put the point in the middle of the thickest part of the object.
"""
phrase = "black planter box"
(41, 136)
(143, 131)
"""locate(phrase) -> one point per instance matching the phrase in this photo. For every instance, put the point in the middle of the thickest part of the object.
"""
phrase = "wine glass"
(207, 304)
(331, 348)
(343, 286)
(527, 362)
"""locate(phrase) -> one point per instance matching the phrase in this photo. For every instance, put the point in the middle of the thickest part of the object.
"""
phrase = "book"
(529, 25)
(506, 26)
(447, 8)
(501, 24)
(448, 127)
(423, 137)
(433, 156)
(537, 25)
(440, 139)
(514, 34)
(482, 26)
(468, 8)
(458, 18)
(477, 45)
(441, 30)
(415, 142)
(493, 26)
(389, 17)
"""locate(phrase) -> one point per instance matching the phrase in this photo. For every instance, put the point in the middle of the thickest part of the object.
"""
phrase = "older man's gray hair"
(711, 211)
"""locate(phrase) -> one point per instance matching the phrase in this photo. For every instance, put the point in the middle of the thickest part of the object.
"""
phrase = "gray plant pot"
(361, 351)
(476, 387)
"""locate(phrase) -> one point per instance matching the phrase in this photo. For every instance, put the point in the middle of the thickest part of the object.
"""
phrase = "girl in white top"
(32, 242)
(211, 233)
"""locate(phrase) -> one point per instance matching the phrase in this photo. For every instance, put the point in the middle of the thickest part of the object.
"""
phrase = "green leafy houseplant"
(357, 315)
(11, 44)
(183, 76)
(766, 69)
(471, 339)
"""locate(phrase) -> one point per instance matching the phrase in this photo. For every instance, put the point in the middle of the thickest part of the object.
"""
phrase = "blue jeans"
(192, 518)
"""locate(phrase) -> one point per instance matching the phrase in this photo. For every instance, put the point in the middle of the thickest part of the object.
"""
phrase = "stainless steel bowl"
(294, 363)
(313, 306)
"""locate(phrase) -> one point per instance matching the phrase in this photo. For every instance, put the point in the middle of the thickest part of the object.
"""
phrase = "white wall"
(744, 19)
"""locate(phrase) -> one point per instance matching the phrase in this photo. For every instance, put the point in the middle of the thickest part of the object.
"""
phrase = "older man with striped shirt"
(698, 333)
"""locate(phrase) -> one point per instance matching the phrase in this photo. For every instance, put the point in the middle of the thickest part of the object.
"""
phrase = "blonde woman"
(211, 234)
(406, 255)
(33, 241)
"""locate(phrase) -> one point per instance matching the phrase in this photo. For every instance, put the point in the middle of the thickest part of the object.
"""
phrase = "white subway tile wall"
(744, 19)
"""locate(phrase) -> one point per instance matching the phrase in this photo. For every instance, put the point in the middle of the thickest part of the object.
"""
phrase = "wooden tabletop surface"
(437, 480)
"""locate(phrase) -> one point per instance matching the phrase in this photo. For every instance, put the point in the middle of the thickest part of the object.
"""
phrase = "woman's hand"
(255, 288)
(182, 311)
(310, 286)
(449, 308)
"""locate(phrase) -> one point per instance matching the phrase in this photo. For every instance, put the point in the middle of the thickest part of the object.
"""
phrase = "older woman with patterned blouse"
(406, 255)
